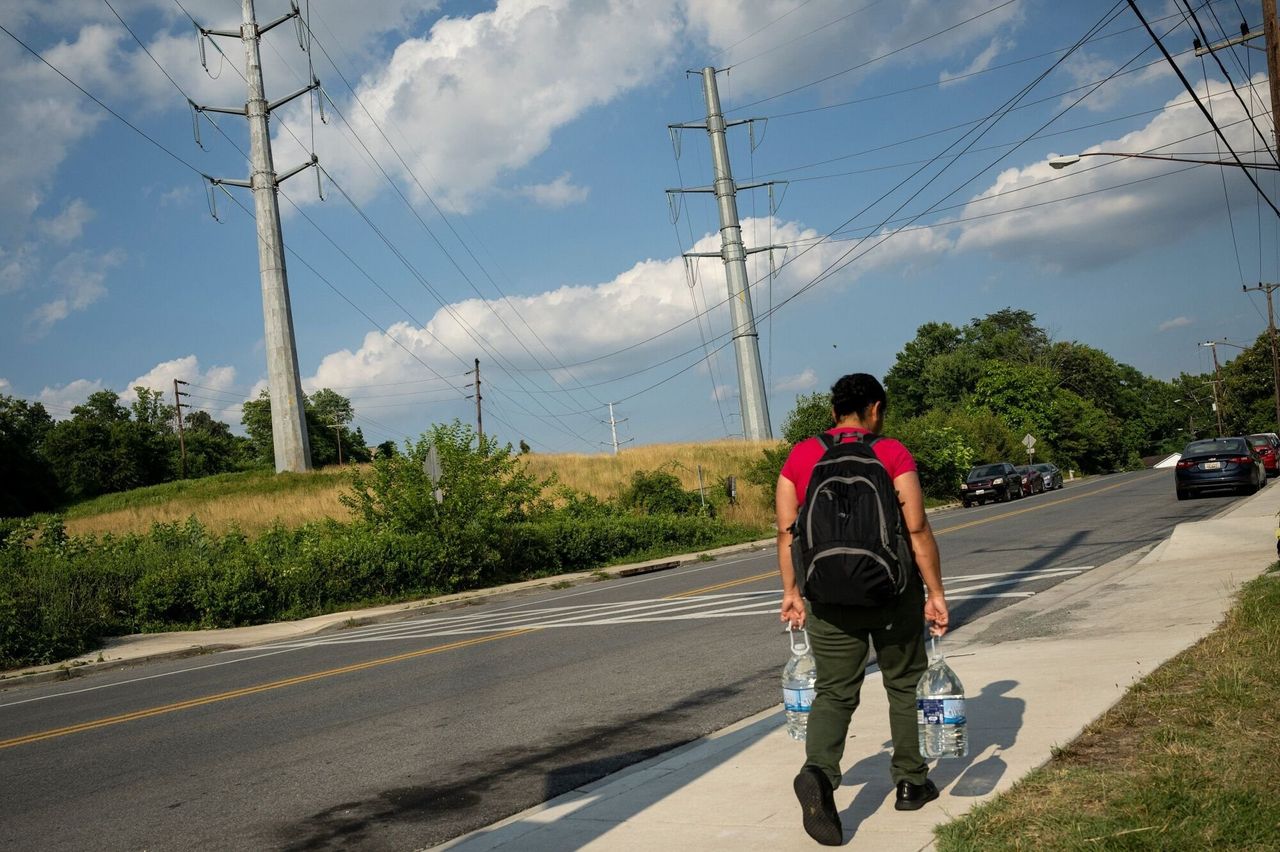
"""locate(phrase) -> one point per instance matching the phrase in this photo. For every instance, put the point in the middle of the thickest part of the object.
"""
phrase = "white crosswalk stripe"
(642, 611)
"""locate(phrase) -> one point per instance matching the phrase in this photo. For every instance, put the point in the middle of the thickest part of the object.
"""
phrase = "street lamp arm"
(1065, 160)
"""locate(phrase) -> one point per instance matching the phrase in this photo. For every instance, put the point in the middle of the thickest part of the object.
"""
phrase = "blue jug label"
(797, 700)
(941, 711)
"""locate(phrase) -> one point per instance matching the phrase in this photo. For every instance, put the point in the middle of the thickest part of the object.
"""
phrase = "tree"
(811, 415)
(100, 449)
(485, 488)
(27, 482)
(906, 382)
(323, 409)
(212, 448)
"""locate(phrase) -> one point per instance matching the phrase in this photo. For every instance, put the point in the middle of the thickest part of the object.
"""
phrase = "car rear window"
(1215, 445)
(1259, 441)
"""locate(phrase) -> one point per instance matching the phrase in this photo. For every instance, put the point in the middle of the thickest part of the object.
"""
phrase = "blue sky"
(513, 157)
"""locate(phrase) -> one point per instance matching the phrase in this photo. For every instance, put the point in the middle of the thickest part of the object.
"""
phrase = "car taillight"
(1241, 459)
(1183, 465)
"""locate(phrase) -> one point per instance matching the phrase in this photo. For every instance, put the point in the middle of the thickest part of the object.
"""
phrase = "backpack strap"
(828, 441)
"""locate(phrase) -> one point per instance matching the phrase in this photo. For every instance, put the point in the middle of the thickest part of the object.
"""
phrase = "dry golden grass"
(605, 475)
(252, 502)
(250, 514)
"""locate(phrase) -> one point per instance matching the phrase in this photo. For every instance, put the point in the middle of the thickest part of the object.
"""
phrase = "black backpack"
(848, 543)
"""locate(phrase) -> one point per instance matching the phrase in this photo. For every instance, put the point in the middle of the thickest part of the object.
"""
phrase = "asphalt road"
(404, 735)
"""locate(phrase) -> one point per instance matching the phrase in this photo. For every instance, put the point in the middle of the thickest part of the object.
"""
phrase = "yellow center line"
(251, 690)
(1036, 507)
(718, 586)
(742, 581)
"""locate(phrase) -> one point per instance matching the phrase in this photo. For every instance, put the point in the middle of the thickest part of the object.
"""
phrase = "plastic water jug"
(940, 710)
(797, 685)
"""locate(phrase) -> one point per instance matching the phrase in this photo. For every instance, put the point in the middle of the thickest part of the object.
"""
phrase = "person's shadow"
(994, 719)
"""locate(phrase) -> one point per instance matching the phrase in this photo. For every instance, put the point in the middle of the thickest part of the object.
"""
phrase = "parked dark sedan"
(997, 482)
(1032, 481)
(1218, 464)
(1267, 447)
(1052, 476)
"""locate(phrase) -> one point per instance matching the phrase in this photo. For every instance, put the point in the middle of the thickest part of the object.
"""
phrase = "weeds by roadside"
(1185, 760)
(61, 593)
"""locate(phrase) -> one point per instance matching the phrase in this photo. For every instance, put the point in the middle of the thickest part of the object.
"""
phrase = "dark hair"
(855, 393)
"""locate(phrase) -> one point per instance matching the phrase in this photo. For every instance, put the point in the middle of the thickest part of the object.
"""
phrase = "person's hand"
(793, 609)
(935, 614)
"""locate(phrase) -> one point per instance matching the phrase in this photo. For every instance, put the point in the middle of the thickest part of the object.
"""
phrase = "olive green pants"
(841, 638)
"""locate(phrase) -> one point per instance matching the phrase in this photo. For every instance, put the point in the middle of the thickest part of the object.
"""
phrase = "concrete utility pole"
(613, 429)
(1217, 381)
(1271, 333)
(288, 404)
(182, 438)
(746, 340)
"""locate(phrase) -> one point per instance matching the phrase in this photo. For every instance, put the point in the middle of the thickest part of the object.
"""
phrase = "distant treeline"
(106, 447)
(962, 395)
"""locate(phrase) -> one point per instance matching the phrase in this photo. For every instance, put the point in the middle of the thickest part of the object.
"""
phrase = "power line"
(1196, 20)
(377, 126)
(757, 32)
(1208, 115)
(804, 35)
(874, 59)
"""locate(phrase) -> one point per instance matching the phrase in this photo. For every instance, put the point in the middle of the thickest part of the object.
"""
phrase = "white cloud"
(555, 194)
(805, 380)
(480, 97)
(981, 62)
(60, 399)
(212, 390)
(5, 386)
(586, 321)
(39, 123)
(79, 278)
(1079, 225)
(68, 225)
(824, 38)
(722, 393)
(1176, 322)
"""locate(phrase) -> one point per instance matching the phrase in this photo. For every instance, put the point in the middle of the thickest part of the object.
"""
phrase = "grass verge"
(255, 501)
(1187, 759)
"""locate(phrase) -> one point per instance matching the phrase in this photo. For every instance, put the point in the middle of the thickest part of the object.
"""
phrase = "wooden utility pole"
(1272, 39)
(479, 412)
(182, 438)
(1217, 382)
(1271, 331)
(337, 431)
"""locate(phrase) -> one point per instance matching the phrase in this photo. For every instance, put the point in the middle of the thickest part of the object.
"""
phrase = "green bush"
(59, 595)
(656, 492)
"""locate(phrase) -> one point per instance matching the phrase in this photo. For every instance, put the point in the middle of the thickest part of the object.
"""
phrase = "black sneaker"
(913, 797)
(821, 820)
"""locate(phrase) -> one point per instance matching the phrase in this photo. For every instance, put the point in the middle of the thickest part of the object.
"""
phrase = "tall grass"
(259, 500)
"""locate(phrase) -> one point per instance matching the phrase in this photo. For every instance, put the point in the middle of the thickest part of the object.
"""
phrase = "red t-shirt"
(893, 455)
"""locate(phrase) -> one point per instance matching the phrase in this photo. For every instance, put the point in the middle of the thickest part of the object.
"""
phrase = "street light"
(1061, 162)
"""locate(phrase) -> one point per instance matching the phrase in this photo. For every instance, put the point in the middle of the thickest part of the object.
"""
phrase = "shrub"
(656, 492)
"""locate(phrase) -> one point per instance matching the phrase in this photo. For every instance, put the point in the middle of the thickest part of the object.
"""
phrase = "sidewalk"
(1036, 673)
